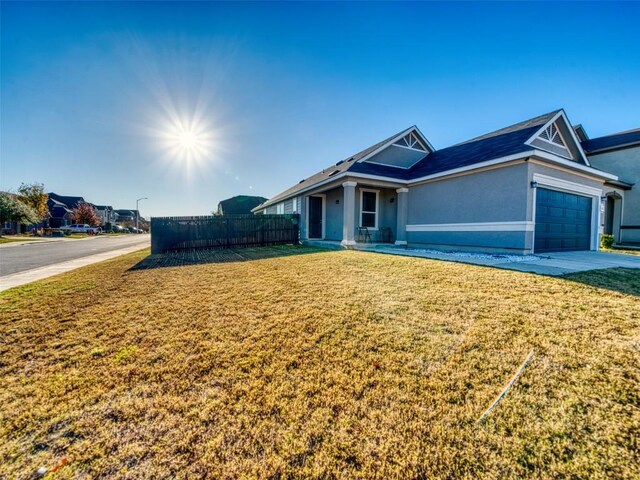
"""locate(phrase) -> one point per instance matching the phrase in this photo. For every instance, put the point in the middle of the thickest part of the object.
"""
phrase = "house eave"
(549, 157)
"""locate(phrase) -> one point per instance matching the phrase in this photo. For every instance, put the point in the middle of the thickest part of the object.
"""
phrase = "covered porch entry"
(357, 212)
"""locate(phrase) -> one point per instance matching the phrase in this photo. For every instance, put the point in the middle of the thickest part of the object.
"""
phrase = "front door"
(315, 217)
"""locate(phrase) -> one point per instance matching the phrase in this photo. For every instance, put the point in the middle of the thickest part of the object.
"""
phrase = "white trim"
(563, 146)
(349, 184)
(324, 216)
(533, 220)
(402, 190)
(377, 212)
(569, 163)
(396, 138)
(571, 187)
(575, 139)
(425, 151)
(473, 227)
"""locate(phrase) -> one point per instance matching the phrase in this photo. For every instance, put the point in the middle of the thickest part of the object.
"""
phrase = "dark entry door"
(315, 217)
(563, 221)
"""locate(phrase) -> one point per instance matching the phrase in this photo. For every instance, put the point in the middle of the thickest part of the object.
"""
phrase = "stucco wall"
(626, 165)
(498, 195)
(490, 196)
(334, 214)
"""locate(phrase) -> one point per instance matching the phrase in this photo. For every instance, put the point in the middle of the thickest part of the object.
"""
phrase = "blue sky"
(91, 92)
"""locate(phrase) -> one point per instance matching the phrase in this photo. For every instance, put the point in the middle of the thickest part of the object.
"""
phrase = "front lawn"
(319, 364)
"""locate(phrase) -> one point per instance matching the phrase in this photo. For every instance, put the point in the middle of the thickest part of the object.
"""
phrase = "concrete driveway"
(571, 262)
(559, 263)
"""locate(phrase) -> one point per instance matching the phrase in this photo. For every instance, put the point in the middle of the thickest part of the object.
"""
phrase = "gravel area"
(470, 255)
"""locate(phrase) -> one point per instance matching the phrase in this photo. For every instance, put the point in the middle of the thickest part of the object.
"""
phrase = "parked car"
(135, 230)
(81, 228)
(118, 229)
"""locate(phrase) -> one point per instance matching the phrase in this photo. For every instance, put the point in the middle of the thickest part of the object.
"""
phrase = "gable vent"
(410, 141)
(551, 134)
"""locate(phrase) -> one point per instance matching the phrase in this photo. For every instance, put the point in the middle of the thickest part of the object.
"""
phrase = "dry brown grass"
(333, 364)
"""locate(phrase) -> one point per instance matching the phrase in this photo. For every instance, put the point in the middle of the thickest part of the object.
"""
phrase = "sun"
(188, 140)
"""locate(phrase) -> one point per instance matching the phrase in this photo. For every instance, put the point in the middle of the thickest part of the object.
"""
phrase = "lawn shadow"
(221, 255)
(622, 280)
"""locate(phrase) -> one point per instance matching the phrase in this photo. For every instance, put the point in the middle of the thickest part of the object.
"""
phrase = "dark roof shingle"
(500, 143)
(610, 142)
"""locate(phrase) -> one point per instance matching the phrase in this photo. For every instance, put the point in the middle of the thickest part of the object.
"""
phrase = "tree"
(33, 195)
(13, 210)
(85, 213)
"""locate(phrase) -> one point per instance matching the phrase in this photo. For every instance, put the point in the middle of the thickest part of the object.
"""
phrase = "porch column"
(349, 216)
(402, 213)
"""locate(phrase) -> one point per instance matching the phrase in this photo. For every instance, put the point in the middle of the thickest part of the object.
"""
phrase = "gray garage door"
(563, 221)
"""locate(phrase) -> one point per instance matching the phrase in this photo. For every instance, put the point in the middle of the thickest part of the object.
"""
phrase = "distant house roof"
(59, 211)
(498, 144)
(103, 207)
(615, 141)
(125, 213)
(239, 205)
(70, 202)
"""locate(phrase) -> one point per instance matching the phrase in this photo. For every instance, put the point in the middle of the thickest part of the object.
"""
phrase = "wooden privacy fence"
(169, 234)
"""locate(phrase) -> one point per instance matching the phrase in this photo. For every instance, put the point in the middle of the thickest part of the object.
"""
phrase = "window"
(294, 205)
(280, 208)
(369, 208)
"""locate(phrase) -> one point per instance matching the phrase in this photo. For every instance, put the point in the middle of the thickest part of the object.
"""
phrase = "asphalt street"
(36, 254)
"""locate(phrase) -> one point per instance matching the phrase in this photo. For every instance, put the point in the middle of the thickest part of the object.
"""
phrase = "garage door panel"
(563, 221)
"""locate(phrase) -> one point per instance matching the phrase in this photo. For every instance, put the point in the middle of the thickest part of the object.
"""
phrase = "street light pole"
(137, 212)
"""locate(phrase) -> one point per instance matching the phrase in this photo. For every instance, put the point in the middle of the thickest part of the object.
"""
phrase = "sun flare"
(188, 140)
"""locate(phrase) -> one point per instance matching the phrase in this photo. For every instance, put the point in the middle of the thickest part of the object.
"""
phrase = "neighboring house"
(123, 215)
(527, 188)
(239, 205)
(60, 209)
(106, 214)
(619, 154)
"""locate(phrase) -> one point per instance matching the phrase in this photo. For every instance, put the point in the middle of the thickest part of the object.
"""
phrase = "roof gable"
(69, 201)
(403, 150)
(557, 136)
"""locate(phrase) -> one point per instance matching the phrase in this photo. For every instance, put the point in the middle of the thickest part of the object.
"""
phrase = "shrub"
(606, 241)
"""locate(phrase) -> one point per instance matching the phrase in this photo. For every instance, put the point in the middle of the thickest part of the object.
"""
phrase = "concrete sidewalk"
(22, 278)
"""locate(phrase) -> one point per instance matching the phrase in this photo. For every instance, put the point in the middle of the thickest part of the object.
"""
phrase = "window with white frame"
(294, 205)
(369, 208)
(280, 208)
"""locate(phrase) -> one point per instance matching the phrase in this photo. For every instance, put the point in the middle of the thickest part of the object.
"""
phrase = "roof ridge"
(633, 130)
(539, 120)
